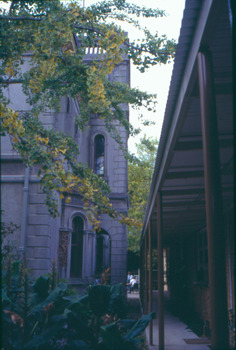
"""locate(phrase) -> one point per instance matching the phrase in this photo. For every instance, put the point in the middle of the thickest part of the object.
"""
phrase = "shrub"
(37, 317)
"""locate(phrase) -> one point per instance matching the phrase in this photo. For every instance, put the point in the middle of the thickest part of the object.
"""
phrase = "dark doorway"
(77, 247)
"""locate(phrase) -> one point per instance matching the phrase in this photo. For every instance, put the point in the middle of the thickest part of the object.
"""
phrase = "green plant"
(105, 277)
(53, 276)
(34, 317)
(9, 253)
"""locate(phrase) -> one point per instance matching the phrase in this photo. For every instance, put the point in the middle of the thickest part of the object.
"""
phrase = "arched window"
(99, 153)
(77, 247)
(103, 251)
(100, 254)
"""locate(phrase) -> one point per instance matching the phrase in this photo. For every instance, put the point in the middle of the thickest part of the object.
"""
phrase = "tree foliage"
(140, 171)
(56, 35)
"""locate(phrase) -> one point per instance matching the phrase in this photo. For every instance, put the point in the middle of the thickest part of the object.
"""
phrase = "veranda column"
(214, 208)
(141, 281)
(145, 273)
(160, 272)
(150, 282)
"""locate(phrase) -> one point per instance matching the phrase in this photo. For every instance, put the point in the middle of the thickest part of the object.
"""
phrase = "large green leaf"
(41, 287)
(117, 302)
(6, 300)
(139, 326)
(111, 335)
(79, 344)
(78, 304)
(76, 299)
(54, 297)
(44, 338)
(57, 293)
(77, 327)
(65, 328)
(115, 293)
(99, 298)
(126, 323)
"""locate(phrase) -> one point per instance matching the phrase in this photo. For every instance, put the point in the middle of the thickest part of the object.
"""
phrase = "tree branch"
(146, 50)
(91, 29)
(9, 18)
(11, 81)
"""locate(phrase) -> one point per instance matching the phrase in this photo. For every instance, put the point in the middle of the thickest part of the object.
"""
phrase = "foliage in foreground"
(57, 35)
(36, 315)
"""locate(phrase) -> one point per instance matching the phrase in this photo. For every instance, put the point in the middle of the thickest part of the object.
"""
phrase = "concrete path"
(175, 331)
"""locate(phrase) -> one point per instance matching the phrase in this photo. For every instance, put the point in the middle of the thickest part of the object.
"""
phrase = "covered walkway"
(177, 336)
(187, 240)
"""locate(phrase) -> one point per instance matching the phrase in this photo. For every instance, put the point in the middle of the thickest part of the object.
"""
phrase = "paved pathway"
(175, 331)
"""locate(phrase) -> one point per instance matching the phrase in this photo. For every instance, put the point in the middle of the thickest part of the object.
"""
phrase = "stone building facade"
(80, 252)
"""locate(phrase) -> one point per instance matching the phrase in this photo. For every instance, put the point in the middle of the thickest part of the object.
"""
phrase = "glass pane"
(73, 237)
(77, 248)
(99, 145)
(99, 165)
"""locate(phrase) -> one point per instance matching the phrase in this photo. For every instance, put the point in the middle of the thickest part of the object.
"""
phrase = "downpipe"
(24, 212)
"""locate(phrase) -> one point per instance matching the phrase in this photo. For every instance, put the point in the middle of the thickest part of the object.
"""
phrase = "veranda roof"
(179, 169)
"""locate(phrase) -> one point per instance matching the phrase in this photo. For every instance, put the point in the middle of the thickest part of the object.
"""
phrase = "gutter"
(24, 212)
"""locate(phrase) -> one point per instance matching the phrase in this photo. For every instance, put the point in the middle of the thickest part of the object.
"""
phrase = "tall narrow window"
(99, 151)
(77, 248)
(103, 251)
(100, 254)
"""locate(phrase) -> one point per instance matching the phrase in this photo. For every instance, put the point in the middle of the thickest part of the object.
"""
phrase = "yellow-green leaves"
(11, 123)
(44, 44)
